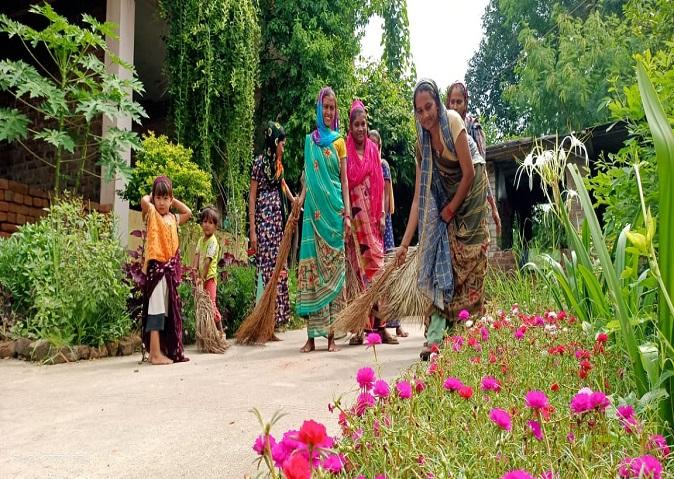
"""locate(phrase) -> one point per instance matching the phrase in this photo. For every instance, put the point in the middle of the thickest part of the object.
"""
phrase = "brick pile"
(19, 204)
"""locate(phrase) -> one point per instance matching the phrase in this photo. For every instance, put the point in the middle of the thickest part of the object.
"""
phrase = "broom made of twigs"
(258, 327)
(401, 296)
(209, 338)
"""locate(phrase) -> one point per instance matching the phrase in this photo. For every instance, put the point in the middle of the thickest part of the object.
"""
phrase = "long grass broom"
(355, 317)
(401, 296)
(258, 327)
(209, 338)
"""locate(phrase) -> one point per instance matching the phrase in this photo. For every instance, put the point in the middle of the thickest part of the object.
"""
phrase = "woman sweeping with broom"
(449, 209)
(320, 274)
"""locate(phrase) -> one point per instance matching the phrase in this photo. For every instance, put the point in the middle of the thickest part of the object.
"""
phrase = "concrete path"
(116, 418)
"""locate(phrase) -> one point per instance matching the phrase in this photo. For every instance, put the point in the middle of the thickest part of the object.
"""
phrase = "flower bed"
(511, 396)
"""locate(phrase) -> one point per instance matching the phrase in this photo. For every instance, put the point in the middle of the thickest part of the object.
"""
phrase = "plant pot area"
(42, 351)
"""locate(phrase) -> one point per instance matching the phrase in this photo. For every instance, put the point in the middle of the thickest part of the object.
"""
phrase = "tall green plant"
(60, 102)
(663, 137)
(212, 65)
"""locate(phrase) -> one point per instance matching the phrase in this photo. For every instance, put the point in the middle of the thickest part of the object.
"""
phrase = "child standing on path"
(206, 259)
(162, 322)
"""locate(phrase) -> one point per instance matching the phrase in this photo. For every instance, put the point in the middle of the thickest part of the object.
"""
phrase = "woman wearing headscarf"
(265, 213)
(365, 247)
(449, 209)
(457, 100)
(320, 274)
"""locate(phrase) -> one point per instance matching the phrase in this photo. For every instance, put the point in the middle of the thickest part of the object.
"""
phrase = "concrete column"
(122, 13)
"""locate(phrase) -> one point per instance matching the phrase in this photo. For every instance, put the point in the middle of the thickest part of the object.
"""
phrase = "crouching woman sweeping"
(449, 209)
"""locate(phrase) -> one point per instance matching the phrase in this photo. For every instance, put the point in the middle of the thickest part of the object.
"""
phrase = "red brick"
(37, 192)
(4, 184)
(3, 217)
(106, 208)
(9, 195)
(4, 234)
(10, 228)
(4, 206)
(18, 198)
(11, 217)
(20, 219)
(28, 200)
(18, 187)
(14, 208)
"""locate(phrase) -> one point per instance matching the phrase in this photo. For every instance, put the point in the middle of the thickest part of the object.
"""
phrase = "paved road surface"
(116, 418)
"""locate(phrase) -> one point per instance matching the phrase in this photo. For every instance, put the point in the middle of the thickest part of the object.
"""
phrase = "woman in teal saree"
(321, 271)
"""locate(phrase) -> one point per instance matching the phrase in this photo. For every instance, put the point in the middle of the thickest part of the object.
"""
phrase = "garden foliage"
(64, 274)
(513, 395)
(63, 102)
(159, 156)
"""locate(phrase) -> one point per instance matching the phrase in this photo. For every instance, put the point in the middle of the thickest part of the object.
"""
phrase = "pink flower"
(452, 384)
(643, 467)
(536, 430)
(297, 467)
(280, 452)
(312, 433)
(464, 315)
(373, 339)
(484, 332)
(517, 474)
(519, 334)
(364, 402)
(501, 418)
(404, 390)
(599, 400)
(626, 416)
(261, 444)
(571, 437)
(419, 385)
(536, 400)
(466, 392)
(659, 444)
(457, 343)
(602, 338)
(334, 463)
(548, 475)
(381, 389)
(581, 403)
(365, 378)
(490, 383)
(432, 368)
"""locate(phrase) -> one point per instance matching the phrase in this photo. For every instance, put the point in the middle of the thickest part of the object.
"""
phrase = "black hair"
(209, 214)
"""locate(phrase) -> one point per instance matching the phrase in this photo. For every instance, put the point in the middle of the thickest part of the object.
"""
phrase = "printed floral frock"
(269, 231)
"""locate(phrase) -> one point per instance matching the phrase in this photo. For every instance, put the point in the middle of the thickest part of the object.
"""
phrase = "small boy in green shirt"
(206, 259)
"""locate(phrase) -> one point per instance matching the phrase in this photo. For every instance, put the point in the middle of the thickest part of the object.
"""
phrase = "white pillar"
(123, 14)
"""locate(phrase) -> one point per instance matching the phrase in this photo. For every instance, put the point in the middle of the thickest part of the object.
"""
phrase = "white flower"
(469, 323)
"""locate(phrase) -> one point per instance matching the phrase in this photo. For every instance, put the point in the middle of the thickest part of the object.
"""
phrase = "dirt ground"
(117, 418)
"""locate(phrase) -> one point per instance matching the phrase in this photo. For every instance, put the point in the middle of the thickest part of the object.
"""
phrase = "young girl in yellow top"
(162, 322)
(206, 259)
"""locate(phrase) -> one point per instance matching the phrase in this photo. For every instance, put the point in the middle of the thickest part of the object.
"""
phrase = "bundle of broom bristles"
(209, 338)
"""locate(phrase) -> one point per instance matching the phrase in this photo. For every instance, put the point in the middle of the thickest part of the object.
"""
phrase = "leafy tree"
(306, 44)
(62, 102)
(212, 64)
(159, 156)
(397, 54)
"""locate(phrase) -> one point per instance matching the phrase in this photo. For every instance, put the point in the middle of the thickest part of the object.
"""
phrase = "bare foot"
(401, 333)
(308, 346)
(332, 347)
(275, 338)
(159, 360)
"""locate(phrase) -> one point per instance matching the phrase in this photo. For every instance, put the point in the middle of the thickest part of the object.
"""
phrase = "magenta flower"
(536, 430)
(452, 384)
(334, 463)
(457, 343)
(598, 400)
(381, 389)
(279, 453)
(261, 443)
(484, 332)
(581, 403)
(517, 474)
(627, 417)
(501, 418)
(643, 467)
(373, 339)
(404, 390)
(464, 315)
(659, 444)
(571, 437)
(536, 400)
(365, 378)
(364, 402)
(548, 475)
(519, 334)
(490, 383)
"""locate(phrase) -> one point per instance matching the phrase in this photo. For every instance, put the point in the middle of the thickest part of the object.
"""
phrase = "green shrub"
(64, 274)
(236, 294)
(188, 312)
(191, 184)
